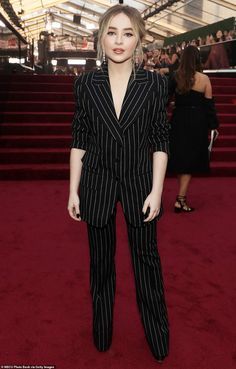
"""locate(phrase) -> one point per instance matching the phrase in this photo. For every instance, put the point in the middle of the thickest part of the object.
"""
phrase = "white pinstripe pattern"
(118, 152)
(118, 159)
(148, 281)
(102, 243)
(149, 287)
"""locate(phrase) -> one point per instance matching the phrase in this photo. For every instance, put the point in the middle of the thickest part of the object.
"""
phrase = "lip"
(118, 50)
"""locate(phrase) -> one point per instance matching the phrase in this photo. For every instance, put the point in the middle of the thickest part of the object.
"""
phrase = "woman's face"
(120, 40)
(219, 34)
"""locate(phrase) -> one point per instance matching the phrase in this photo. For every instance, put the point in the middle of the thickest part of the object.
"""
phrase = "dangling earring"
(136, 58)
(103, 56)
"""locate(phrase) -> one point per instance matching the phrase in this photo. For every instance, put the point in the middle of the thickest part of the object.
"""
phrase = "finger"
(145, 206)
(156, 213)
(76, 206)
(73, 214)
(151, 216)
(77, 213)
(78, 217)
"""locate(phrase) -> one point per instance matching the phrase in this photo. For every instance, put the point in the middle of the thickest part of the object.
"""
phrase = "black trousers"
(148, 281)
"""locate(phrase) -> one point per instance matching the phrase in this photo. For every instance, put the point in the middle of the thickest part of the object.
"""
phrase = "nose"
(119, 39)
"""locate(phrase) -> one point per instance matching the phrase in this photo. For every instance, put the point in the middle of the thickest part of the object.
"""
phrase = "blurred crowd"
(166, 60)
(215, 53)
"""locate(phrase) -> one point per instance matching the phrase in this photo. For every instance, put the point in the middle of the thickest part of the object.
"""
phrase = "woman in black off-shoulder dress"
(192, 117)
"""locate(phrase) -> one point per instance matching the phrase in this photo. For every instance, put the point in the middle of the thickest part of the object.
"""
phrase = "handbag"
(214, 135)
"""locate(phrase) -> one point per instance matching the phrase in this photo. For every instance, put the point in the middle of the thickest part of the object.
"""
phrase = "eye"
(111, 33)
(128, 34)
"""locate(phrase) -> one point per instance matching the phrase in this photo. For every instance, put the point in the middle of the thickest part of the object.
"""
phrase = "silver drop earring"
(136, 58)
(103, 57)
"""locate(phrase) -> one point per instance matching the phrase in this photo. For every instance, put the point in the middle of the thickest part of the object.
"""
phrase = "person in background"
(232, 35)
(156, 57)
(200, 41)
(192, 118)
(219, 36)
(183, 45)
(227, 36)
(164, 59)
(173, 62)
(119, 152)
(193, 43)
(149, 65)
(178, 50)
(218, 56)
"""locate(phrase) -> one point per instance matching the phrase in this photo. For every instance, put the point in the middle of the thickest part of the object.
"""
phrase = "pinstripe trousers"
(148, 282)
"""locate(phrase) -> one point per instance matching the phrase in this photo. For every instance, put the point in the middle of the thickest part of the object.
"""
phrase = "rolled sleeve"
(159, 132)
(80, 126)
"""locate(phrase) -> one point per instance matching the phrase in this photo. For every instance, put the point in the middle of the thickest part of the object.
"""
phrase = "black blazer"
(118, 151)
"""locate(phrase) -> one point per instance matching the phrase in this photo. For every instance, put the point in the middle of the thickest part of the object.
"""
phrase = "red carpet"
(35, 131)
(44, 288)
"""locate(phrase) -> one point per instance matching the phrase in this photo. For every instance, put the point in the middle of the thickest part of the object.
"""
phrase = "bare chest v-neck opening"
(122, 100)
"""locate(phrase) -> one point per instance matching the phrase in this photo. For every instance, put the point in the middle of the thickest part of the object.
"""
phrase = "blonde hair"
(136, 21)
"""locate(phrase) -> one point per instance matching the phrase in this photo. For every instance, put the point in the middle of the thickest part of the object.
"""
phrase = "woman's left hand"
(153, 202)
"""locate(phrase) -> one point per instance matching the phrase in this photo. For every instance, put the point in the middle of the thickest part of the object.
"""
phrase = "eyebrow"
(125, 29)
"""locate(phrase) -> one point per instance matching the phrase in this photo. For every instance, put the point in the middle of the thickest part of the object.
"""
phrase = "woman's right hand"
(73, 207)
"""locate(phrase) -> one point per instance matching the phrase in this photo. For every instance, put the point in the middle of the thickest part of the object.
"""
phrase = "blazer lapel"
(100, 92)
(135, 99)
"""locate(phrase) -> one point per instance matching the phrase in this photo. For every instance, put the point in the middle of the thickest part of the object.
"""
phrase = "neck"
(116, 69)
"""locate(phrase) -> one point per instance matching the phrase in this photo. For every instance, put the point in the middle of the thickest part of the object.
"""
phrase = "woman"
(173, 62)
(193, 116)
(174, 59)
(164, 59)
(218, 56)
(120, 119)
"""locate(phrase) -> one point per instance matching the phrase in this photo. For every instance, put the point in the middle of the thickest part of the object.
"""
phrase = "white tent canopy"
(58, 16)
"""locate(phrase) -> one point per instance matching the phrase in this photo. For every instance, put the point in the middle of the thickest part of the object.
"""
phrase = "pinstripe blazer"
(118, 151)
